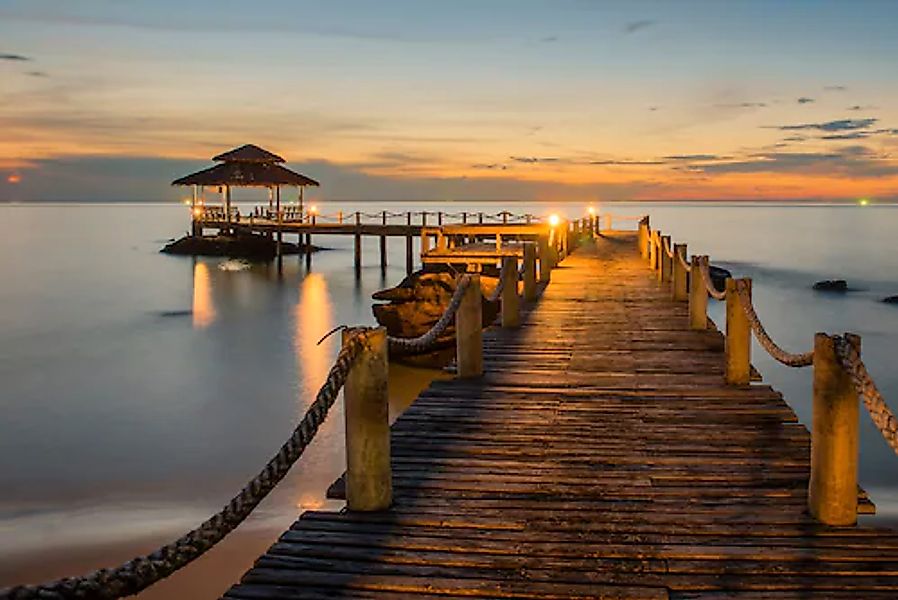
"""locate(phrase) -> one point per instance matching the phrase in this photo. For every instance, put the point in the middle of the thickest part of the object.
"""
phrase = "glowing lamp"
(197, 212)
(554, 220)
(592, 211)
(14, 178)
(313, 209)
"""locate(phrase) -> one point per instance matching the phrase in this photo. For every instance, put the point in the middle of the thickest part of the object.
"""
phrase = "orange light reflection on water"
(314, 318)
(203, 307)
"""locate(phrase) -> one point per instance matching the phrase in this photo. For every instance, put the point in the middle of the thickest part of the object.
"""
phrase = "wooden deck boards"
(601, 455)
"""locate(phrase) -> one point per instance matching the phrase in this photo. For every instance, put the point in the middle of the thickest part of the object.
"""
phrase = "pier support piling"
(368, 475)
(511, 310)
(383, 244)
(832, 489)
(698, 296)
(545, 259)
(469, 331)
(738, 337)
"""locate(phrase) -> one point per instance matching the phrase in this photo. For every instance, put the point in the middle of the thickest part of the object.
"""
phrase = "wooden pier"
(602, 454)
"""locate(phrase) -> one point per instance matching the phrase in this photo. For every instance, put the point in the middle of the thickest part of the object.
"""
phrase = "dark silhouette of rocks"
(241, 245)
(831, 285)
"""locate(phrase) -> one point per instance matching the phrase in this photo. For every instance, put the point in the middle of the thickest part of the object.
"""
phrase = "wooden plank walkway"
(601, 456)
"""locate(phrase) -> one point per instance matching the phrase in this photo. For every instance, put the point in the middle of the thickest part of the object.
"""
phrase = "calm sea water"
(139, 391)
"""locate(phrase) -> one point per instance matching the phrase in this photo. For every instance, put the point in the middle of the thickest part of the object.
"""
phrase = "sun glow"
(14, 179)
(554, 220)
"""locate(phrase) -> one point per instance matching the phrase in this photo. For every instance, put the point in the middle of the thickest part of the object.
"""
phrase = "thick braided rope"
(141, 572)
(427, 339)
(665, 243)
(787, 358)
(709, 283)
(685, 263)
(880, 413)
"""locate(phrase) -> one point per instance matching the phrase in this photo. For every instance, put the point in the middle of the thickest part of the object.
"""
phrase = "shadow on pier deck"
(601, 455)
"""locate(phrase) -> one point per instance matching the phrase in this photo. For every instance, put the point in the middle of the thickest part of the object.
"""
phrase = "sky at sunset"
(485, 99)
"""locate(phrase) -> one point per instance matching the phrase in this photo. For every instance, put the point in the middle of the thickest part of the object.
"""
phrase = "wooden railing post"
(653, 250)
(738, 337)
(665, 263)
(469, 331)
(529, 272)
(366, 406)
(545, 259)
(698, 296)
(679, 274)
(511, 310)
(832, 490)
(641, 239)
(425, 243)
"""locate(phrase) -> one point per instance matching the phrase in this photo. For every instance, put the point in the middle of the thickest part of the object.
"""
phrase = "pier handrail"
(428, 338)
(849, 358)
(141, 572)
(840, 379)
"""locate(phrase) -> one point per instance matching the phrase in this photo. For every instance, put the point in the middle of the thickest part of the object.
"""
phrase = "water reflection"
(314, 315)
(203, 306)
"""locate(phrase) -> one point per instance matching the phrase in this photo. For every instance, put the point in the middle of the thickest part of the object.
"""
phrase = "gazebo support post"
(280, 234)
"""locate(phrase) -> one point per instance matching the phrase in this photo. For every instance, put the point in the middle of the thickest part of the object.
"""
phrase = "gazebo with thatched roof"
(246, 166)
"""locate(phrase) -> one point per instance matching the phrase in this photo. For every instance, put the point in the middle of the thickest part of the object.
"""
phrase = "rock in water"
(831, 285)
(719, 277)
(418, 302)
(241, 245)
(890, 299)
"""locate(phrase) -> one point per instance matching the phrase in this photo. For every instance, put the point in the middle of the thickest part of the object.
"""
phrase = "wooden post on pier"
(665, 265)
(529, 272)
(383, 244)
(643, 237)
(358, 243)
(366, 405)
(832, 490)
(480, 217)
(738, 336)
(545, 259)
(679, 274)
(425, 243)
(469, 331)
(440, 218)
(698, 296)
(511, 310)
(653, 250)
(409, 259)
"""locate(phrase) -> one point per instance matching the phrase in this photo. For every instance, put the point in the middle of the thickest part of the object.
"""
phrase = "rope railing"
(497, 292)
(705, 267)
(683, 262)
(850, 360)
(665, 243)
(141, 572)
(773, 349)
(428, 338)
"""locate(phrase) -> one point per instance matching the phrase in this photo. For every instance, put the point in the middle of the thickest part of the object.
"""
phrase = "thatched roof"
(249, 153)
(246, 174)
(247, 166)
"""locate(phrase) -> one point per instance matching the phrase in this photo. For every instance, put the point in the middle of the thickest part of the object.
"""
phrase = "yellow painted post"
(469, 331)
(529, 272)
(679, 274)
(665, 264)
(832, 490)
(738, 337)
(425, 243)
(698, 296)
(545, 259)
(511, 313)
(368, 476)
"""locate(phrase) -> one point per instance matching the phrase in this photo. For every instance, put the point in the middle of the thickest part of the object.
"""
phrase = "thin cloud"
(14, 57)
(835, 88)
(832, 126)
(805, 100)
(36, 74)
(742, 105)
(688, 157)
(635, 26)
(851, 161)
(534, 159)
(625, 163)
(549, 39)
